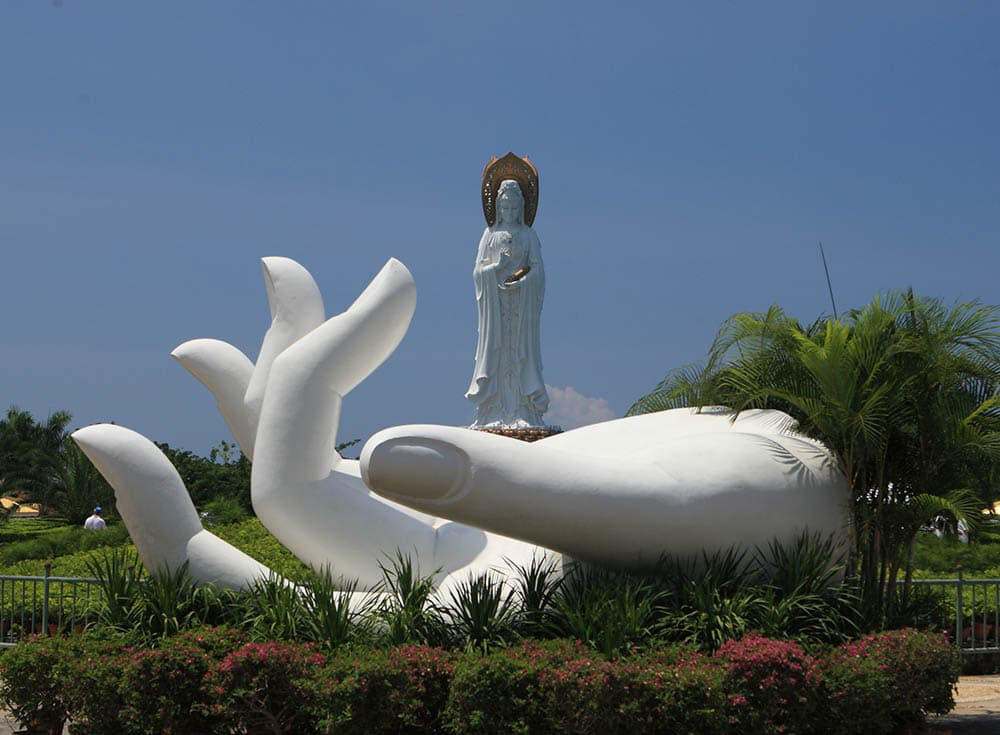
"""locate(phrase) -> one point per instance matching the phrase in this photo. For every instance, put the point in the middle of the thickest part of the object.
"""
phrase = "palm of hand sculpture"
(622, 493)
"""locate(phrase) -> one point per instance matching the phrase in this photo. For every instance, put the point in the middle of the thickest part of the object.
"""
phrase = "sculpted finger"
(156, 508)
(226, 372)
(701, 491)
(296, 309)
(301, 411)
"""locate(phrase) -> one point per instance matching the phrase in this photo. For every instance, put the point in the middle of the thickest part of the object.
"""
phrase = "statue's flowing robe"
(492, 352)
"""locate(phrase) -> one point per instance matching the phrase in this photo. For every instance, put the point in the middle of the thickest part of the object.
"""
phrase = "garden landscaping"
(213, 680)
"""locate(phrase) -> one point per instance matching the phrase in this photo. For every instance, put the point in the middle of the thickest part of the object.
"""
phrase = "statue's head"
(510, 203)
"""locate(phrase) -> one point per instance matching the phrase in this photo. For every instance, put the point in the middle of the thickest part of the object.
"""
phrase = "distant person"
(963, 532)
(95, 522)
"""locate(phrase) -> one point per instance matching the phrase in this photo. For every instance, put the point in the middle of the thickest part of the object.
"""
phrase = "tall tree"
(30, 451)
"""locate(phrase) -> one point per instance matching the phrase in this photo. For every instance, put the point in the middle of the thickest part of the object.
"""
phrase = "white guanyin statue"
(507, 387)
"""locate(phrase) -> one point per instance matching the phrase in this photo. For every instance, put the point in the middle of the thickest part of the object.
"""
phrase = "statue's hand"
(624, 492)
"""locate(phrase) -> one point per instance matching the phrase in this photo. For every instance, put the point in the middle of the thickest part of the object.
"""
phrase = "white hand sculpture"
(284, 412)
(621, 493)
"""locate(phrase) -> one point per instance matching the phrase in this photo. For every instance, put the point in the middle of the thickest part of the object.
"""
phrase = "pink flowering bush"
(29, 687)
(89, 677)
(265, 687)
(213, 681)
(563, 687)
(772, 686)
(902, 674)
(499, 692)
(162, 689)
(401, 689)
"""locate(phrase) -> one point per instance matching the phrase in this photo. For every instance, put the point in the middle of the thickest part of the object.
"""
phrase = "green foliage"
(76, 486)
(223, 511)
(209, 479)
(945, 555)
(537, 585)
(482, 612)
(158, 606)
(336, 613)
(211, 680)
(27, 685)
(69, 550)
(608, 611)
(885, 682)
(59, 541)
(406, 609)
(904, 392)
(41, 461)
(29, 451)
(372, 692)
(117, 573)
(253, 539)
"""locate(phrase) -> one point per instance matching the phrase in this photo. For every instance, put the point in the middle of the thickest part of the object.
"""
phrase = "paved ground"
(977, 711)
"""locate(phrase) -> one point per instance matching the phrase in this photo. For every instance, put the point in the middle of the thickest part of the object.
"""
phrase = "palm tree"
(42, 461)
(29, 451)
(904, 392)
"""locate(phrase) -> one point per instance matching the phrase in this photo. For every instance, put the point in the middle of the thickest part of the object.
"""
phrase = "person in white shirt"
(95, 522)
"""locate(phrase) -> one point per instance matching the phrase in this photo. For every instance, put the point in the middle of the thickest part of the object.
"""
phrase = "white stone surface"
(621, 493)
(310, 498)
(507, 387)
(161, 519)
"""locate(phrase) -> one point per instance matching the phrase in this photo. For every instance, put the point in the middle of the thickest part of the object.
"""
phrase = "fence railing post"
(45, 599)
(958, 611)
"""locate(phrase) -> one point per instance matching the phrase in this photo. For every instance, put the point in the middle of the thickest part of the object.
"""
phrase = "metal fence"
(46, 604)
(969, 609)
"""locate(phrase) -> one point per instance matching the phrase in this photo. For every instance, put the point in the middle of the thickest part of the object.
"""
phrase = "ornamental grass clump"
(612, 612)
(482, 614)
(407, 612)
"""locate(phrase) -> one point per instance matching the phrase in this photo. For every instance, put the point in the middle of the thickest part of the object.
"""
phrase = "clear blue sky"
(692, 155)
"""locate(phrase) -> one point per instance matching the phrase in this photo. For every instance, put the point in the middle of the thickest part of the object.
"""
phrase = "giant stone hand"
(622, 493)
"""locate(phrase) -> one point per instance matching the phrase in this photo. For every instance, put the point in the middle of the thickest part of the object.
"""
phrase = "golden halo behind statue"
(520, 170)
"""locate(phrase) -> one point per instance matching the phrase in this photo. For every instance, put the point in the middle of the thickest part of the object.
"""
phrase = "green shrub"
(223, 511)
(920, 668)
(29, 684)
(498, 693)
(89, 677)
(482, 613)
(407, 611)
(265, 686)
(61, 542)
(163, 689)
(772, 686)
(255, 541)
(383, 691)
(857, 694)
(211, 680)
(609, 611)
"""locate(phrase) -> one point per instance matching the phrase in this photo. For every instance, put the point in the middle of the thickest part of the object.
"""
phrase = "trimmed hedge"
(214, 681)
